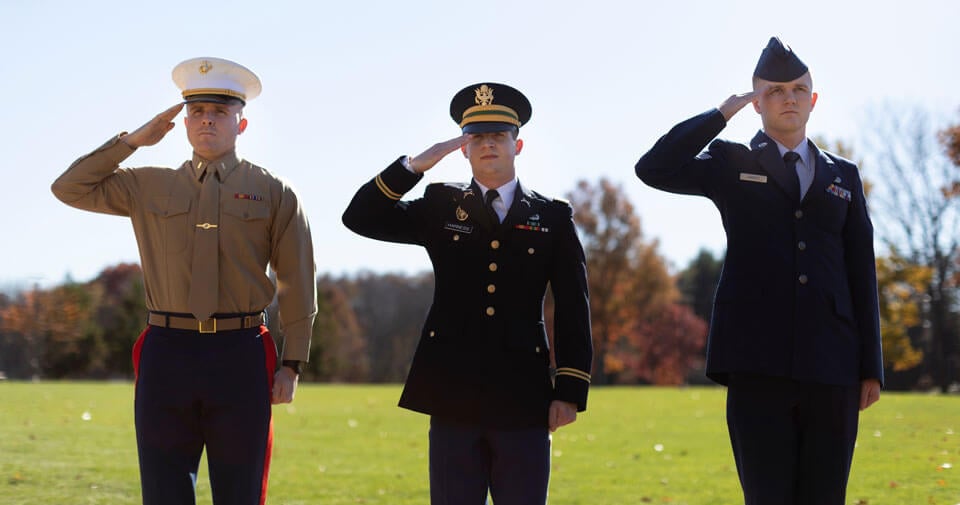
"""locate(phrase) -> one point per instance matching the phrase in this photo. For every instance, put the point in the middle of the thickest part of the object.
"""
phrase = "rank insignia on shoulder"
(247, 196)
(839, 192)
(462, 214)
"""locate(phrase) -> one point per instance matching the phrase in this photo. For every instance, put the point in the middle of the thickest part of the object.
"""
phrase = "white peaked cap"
(215, 80)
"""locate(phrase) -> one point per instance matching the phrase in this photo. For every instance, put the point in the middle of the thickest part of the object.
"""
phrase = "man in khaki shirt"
(206, 365)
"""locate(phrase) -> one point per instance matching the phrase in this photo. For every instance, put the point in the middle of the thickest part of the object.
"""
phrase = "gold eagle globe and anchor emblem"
(205, 67)
(484, 95)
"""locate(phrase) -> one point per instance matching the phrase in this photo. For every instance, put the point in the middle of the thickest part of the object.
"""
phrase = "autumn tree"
(916, 209)
(667, 345)
(902, 288)
(630, 286)
(22, 340)
(122, 314)
(390, 309)
(698, 283)
(53, 332)
(338, 351)
(950, 138)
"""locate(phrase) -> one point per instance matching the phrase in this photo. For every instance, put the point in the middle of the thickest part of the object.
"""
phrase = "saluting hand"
(734, 103)
(154, 130)
(284, 385)
(427, 159)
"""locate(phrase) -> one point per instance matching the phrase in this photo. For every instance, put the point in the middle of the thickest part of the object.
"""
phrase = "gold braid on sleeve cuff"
(389, 193)
(573, 372)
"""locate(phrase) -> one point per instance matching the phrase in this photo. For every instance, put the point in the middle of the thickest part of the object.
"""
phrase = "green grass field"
(73, 443)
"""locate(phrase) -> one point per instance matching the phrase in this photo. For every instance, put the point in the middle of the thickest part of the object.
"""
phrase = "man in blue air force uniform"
(482, 367)
(795, 328)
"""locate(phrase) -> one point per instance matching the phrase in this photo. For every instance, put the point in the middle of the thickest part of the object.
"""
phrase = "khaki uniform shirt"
(261, 222)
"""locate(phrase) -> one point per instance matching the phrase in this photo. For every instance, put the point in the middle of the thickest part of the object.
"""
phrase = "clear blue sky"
(349, 86)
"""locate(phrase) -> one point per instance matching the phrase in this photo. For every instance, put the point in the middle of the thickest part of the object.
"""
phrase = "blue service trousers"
(196, 390)
(467, 461)
(793, 441)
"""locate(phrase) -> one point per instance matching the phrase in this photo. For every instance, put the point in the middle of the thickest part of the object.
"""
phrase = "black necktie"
(488, 199)
(790, 159)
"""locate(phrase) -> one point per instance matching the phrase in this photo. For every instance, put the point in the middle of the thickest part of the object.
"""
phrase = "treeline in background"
(649, 324)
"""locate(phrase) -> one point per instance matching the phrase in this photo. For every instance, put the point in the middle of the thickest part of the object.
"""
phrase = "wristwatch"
(295, 365)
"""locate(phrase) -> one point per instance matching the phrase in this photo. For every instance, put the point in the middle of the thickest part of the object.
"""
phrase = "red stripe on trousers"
(137, 348)
(270, 353)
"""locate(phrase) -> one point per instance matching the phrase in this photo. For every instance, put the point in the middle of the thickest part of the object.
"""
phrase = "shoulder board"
(836, 158)
(446, 189)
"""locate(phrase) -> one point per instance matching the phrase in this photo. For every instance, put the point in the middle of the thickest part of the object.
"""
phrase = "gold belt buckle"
(208, 330)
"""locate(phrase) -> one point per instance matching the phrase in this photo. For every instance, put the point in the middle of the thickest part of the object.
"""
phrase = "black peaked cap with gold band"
(489, 107)
(215, 80)
(778, 63)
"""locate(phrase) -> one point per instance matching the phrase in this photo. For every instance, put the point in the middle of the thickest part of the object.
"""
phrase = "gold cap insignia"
(461, 214)
(484, 95)
(205, 67)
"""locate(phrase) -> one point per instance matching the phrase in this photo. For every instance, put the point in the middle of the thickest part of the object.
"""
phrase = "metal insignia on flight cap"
(205, 67)
(461, 214)
(484, 95)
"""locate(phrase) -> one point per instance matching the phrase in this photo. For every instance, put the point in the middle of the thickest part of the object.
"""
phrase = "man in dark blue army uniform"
(482, 368)
(795, 332)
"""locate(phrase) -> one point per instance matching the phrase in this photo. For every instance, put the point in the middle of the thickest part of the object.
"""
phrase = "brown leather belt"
(225, 322)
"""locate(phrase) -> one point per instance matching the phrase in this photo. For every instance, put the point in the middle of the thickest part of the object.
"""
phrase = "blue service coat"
(797, 296)
(483, 355)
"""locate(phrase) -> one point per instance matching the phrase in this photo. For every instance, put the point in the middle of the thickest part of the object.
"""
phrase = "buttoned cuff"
(116, 149)
(395, 180)
(571, 386)
(296, 340)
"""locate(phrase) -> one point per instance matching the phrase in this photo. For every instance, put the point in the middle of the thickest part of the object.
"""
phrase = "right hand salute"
(427, 159)
(154, 130)
(732, 105)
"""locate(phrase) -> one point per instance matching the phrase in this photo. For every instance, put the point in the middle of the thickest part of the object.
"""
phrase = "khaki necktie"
(204, 281)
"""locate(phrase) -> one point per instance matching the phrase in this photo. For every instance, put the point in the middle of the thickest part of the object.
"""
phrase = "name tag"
(462, 228)
(753, 177)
